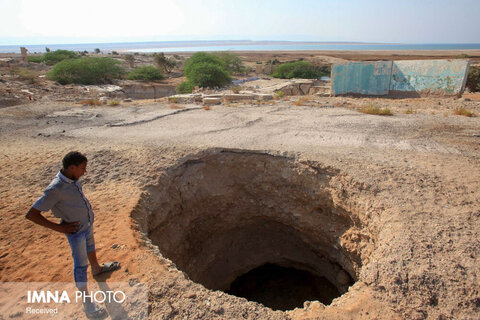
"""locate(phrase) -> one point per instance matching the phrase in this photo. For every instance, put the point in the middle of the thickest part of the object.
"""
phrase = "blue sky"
(401, 21)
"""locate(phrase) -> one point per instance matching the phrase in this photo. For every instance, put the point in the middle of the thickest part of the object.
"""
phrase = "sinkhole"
(272, 229)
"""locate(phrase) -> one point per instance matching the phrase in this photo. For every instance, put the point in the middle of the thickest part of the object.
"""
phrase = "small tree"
(233, 62)
(473, 79)
(47, 49)
(167, 64)
(130, 59)
(97, 50)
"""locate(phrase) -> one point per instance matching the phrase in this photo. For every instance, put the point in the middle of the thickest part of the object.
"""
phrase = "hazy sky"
(407, 21)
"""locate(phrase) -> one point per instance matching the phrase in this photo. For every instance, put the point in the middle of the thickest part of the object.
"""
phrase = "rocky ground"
(405, 186)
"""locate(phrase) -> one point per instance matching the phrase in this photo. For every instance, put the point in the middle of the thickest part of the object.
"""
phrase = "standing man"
(64, 196)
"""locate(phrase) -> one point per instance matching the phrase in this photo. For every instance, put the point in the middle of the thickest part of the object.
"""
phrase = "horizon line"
(239, 41)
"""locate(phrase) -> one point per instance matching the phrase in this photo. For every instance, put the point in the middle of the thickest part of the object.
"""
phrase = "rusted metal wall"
(414, 77)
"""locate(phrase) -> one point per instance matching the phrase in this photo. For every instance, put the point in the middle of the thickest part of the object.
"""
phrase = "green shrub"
(145, 73)
(473, 79)
(36, 59)
(299, 69)
(202, 57)
(209, 75)
(207, 70)
(185, 87)
(56, 56)
(86, 70)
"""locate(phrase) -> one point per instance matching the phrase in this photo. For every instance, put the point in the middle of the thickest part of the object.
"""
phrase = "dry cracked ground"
(311, 212)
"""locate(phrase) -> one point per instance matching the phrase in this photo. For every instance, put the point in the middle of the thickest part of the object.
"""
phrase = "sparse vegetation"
(145, 73)
(279, 94)
(114, 103)
(371, 109)
(173, 99)
(473, 79)
(300, 69)
(185, 87)
(91, 102)
(207, 108)
(24, 74)
(302, 101)
(175, 106)
(86, 70)
(410, 111)
(463, 112)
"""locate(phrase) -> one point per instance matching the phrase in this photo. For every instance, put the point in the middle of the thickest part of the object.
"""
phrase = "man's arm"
(35, 215)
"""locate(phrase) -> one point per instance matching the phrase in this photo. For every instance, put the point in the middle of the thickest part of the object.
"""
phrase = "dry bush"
(173, 99)
(463, 112)
(92, 102)
(24, 74)
(114, 103)
(410, 111)
(236, 89)
(371, 109)
(302, 101)
(207, 108)
(174, 106)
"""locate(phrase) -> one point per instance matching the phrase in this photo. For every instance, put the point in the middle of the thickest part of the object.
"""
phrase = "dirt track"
(407, 185)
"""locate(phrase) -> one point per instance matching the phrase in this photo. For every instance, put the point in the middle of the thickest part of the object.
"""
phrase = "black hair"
(73, 158)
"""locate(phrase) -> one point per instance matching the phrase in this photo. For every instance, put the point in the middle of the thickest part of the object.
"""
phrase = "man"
(64, 196)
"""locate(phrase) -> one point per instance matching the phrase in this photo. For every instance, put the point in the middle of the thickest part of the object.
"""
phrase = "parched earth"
(188, 199)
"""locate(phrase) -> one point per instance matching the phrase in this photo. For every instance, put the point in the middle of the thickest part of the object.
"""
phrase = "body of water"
(194, 46)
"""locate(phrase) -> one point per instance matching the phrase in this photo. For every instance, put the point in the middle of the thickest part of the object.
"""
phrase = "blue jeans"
(81, 243)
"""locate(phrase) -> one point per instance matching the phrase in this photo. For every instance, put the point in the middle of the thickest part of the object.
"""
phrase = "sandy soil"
(413, 179)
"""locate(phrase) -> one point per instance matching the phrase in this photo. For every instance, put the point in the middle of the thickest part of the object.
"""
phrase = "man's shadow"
(115, 309)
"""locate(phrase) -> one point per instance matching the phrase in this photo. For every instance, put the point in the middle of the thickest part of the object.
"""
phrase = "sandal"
(107, 267)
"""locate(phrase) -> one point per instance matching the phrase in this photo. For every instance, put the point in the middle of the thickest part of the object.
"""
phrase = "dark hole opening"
(282, 288)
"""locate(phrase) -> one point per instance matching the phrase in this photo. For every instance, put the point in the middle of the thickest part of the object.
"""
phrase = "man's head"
(74, 165)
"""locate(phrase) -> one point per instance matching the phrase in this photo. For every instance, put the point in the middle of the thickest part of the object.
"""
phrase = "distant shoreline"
(237, 45)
